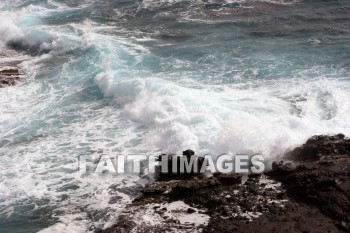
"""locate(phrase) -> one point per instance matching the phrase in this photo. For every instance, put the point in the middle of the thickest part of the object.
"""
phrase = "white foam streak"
(74, 223)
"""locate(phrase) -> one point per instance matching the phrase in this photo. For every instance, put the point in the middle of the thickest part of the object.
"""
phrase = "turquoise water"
(130, 77)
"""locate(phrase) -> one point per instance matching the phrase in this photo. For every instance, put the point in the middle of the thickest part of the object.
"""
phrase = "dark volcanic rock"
(321, 145)
(319, 174)
(167, 170)
(178, 186)
(9, 77)
(228, 178)
(253, 206)
(313, 196)
(9, 71)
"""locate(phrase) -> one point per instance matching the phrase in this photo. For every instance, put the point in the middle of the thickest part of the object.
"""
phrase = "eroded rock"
(319, 174)
(9, 76)
(309, 192)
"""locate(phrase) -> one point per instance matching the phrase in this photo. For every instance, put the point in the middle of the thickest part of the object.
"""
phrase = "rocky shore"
(9, 76)
(10, 71)
(307, 192)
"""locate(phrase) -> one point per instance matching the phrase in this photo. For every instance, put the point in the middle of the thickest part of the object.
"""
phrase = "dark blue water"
(121, 77)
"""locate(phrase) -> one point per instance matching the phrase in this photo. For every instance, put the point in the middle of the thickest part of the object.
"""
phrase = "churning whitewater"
(146, 77)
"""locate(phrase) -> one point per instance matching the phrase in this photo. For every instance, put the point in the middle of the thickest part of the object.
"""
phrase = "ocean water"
(107, 77)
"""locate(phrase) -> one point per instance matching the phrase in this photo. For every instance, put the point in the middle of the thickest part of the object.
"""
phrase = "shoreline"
(308, 191)
(10, 71)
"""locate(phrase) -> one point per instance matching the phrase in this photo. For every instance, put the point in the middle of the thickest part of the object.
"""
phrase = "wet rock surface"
(308, 192)
(9, 76)
(11, 72)
(318, 174)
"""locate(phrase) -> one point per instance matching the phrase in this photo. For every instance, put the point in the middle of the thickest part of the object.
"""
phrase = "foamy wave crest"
(235, 120)
(8, 29)
(17, 32)
(101, 89)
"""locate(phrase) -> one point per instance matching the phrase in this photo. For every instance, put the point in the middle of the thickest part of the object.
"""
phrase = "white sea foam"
(235, 120)
(69, 223)
(8, 29)
(47, 123)
(44, 158)
(172, 212)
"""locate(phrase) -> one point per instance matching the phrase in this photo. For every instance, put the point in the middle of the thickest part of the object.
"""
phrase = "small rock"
(191, 210)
